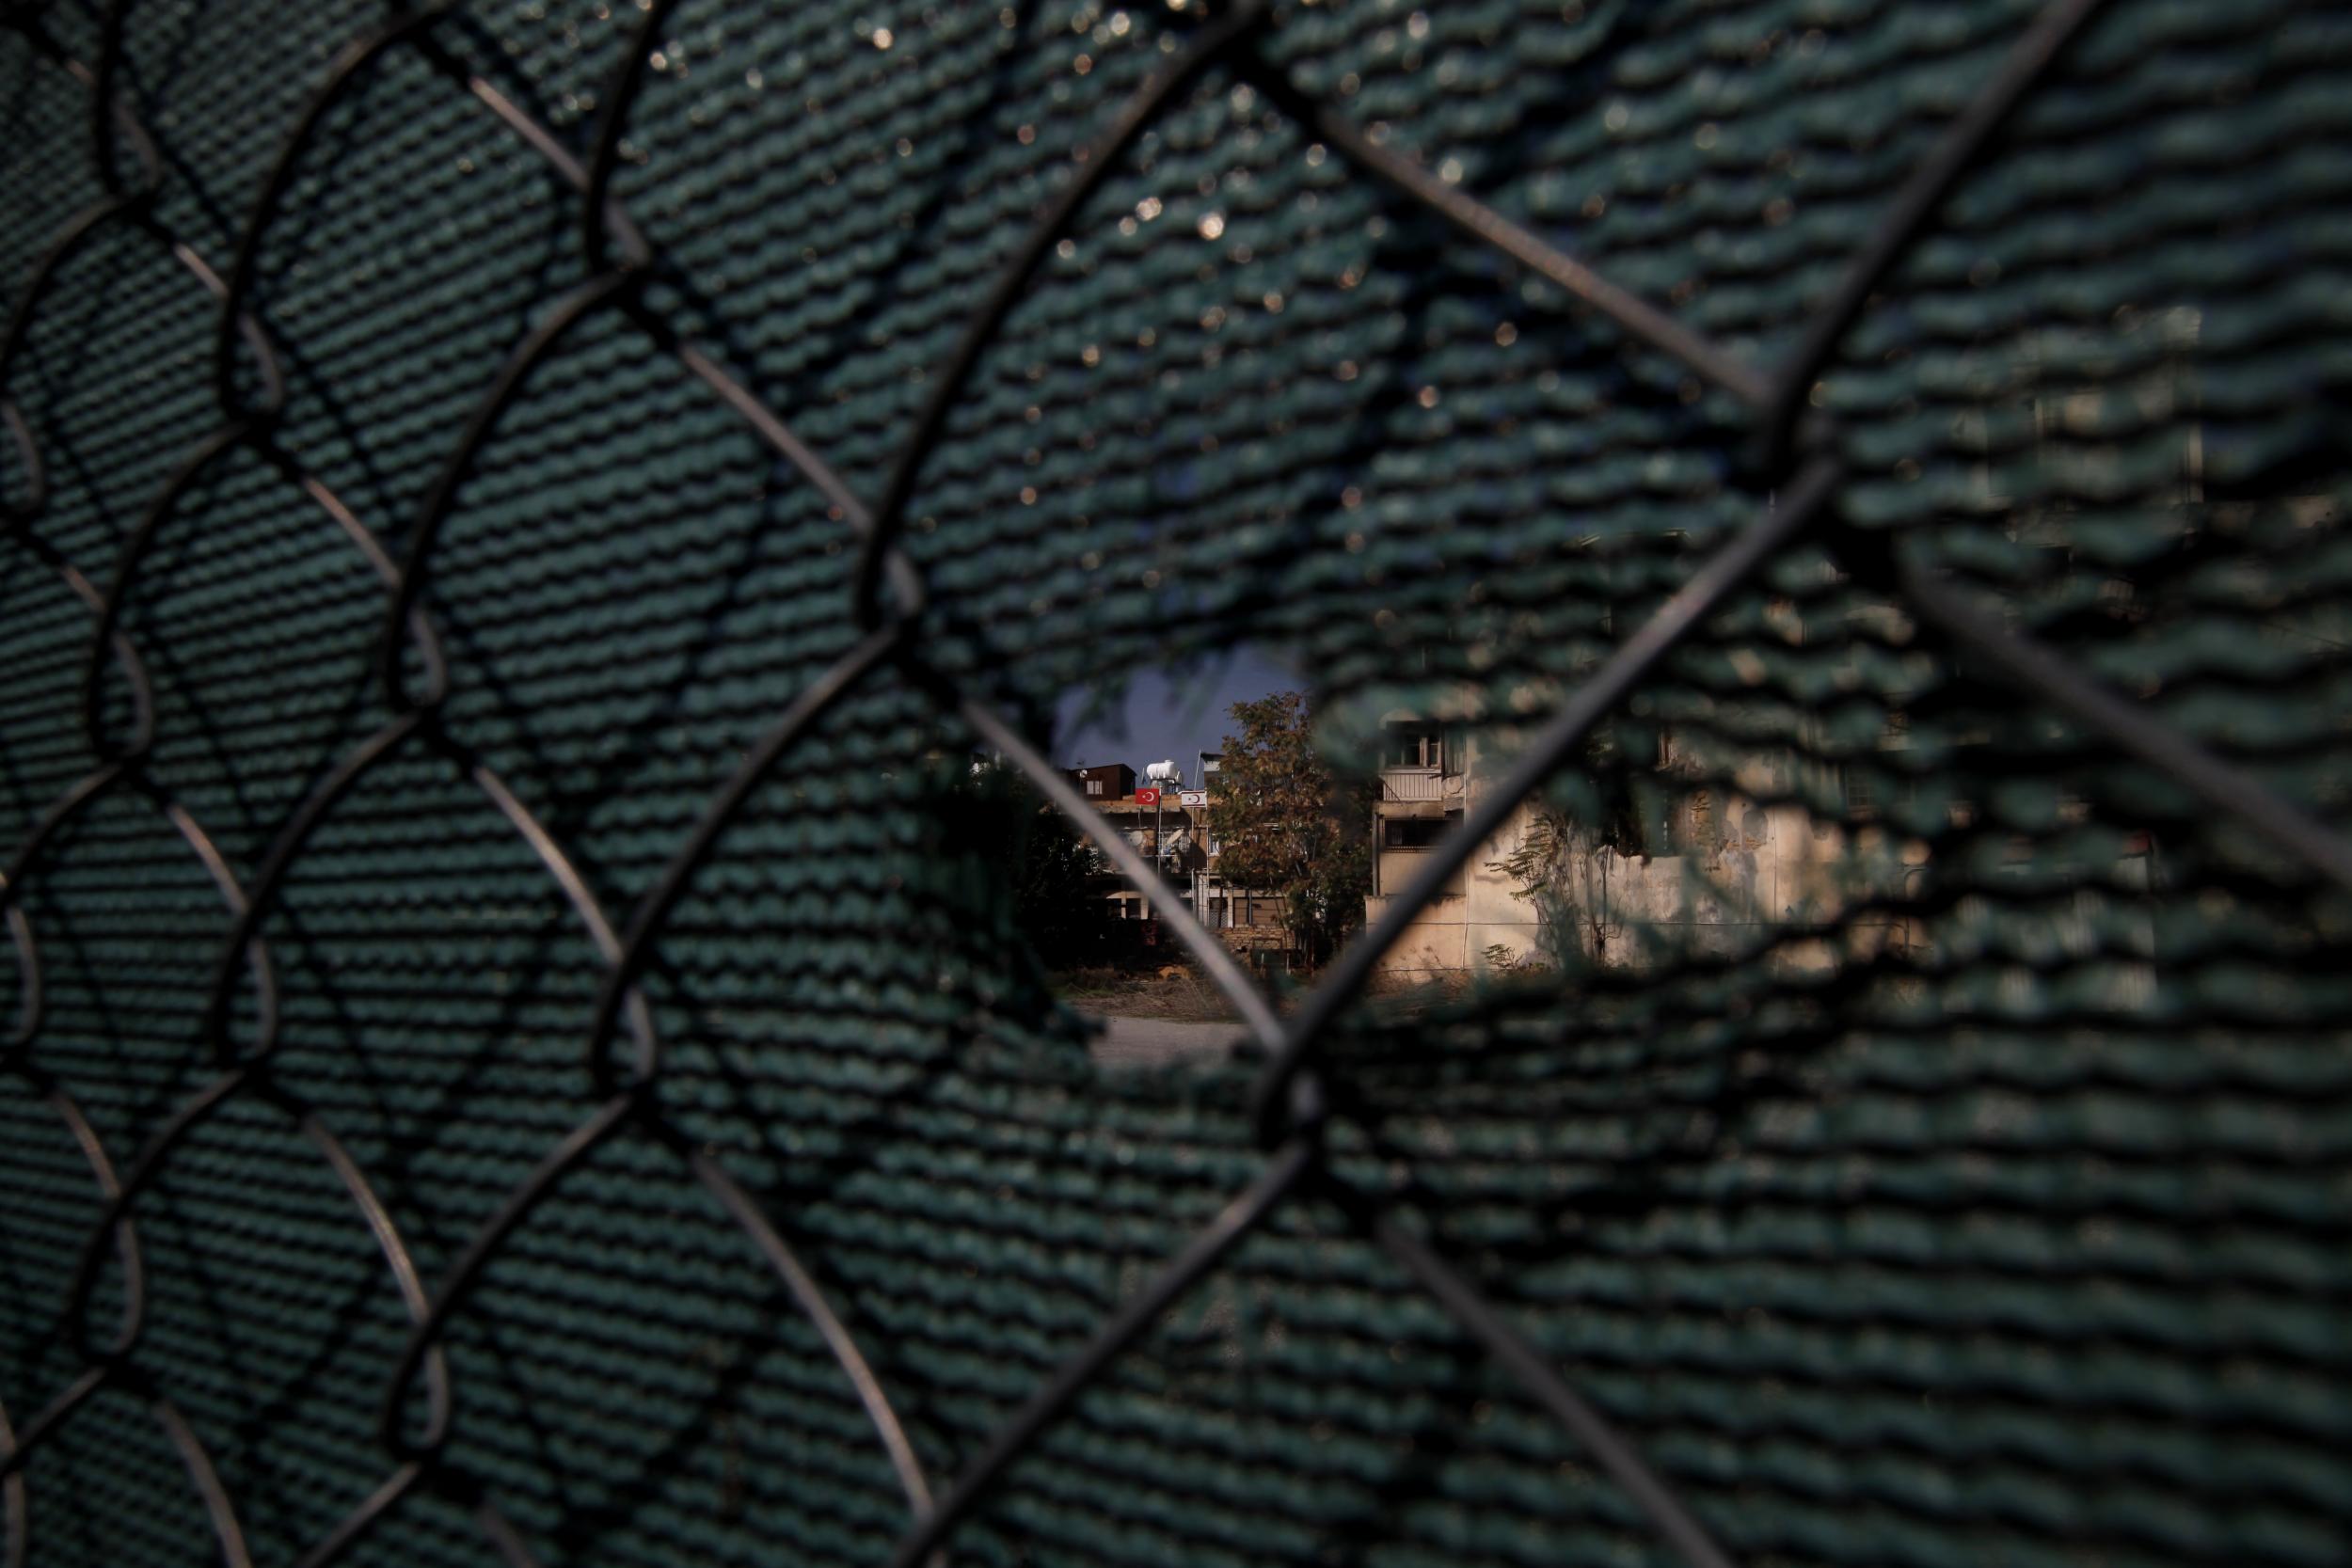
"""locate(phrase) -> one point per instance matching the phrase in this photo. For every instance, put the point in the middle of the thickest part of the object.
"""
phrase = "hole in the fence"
(1240, 833)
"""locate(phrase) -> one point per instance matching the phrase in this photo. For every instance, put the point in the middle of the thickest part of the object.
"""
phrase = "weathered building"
(1171, 831)
(1734, 872)
(1429, 775)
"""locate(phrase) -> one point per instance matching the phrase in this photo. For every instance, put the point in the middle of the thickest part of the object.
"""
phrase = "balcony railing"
(1417, 784)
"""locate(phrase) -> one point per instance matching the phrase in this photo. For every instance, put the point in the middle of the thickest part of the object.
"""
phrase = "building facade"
(1170, 828)
(1103, 781)
(1430, 774)
(1538, 890)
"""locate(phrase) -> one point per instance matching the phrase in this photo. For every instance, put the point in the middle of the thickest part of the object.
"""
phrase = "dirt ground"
(1158, 1042)
(1182, 994)
(1173, 991)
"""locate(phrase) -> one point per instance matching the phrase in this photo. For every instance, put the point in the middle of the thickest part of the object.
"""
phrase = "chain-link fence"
(506, 521)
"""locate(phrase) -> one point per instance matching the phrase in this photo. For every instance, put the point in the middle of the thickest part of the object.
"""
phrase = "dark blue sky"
(1168, 715)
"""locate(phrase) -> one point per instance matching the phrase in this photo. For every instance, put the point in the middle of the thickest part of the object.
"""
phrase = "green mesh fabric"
(2020, 1240)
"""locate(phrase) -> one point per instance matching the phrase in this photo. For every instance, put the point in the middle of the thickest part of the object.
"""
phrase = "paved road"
(1144, 1042)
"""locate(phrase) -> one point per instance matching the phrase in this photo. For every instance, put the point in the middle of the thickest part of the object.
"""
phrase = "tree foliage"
(1288, 827)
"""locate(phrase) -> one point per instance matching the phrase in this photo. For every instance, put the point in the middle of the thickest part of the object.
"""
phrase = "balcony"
(1417, 784)
(1407, 792)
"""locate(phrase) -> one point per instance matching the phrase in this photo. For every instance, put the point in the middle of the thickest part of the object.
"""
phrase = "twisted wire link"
(117, 761)
(414, 716)
(1796, 475)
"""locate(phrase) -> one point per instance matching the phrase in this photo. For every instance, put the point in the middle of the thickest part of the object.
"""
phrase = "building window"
(1410, 832)
(1861, 797)
(1415, 745)
(1094, 786)
(1412, 836)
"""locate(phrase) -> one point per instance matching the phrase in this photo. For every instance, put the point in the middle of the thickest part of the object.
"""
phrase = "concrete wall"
(1454, 934)
(1749, 870)
(1746, 871)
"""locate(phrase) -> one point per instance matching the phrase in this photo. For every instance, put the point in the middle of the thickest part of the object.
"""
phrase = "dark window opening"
(1414, 745)
(1411, 832)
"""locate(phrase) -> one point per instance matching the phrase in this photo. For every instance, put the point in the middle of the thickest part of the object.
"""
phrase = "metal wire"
(889, 605)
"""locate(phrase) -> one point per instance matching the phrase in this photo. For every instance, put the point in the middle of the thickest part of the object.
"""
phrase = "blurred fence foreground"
(515, 516)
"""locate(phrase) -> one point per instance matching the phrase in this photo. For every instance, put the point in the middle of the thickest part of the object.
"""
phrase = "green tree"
(1288, 827)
